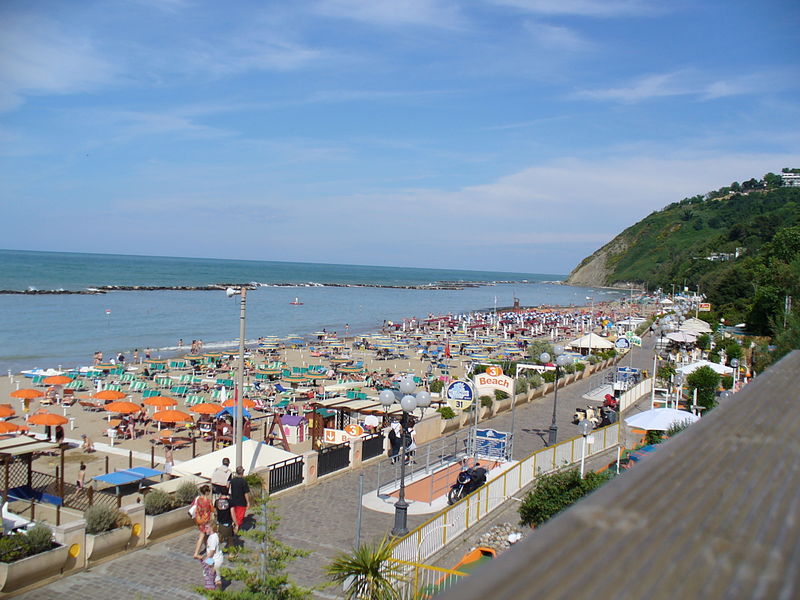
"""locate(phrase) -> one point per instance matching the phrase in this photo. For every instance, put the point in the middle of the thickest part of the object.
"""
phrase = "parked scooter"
(468, 480)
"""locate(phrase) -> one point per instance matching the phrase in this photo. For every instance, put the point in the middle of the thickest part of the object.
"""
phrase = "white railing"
(436, 533)
(632, 396)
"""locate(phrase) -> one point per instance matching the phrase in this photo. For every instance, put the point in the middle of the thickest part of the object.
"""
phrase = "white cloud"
(692, 82)
(36, 57)
(583, 8)
(558, 38)
(431, 13)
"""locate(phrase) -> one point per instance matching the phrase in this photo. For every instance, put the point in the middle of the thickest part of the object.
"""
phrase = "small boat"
(296, 302)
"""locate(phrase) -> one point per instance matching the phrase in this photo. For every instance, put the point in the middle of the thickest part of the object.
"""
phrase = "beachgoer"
(87, 445)
(221, 477)
(59, 434)
(212, 562)
(169, 461)
(395, 441)
(135, 355)
(180, 343)
(240, 498)
(222, 505)
(203, 511)
(81, 483)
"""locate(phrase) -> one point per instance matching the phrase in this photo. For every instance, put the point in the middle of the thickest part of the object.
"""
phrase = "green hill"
(739, 245)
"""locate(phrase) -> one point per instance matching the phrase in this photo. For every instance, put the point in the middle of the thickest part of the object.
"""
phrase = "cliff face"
(595, 270)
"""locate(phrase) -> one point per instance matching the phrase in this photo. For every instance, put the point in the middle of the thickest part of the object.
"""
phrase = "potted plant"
(165, 514)
(449, 420)
(29, 557)
(108, 531)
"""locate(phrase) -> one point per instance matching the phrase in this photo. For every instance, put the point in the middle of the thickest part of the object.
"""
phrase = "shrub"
(534, 381)
(593, 359)
(521, 386)
(437, 385)
(446, 412)
(486, 401)
(500, 395)
(185, 494)
(549, 376)
(727, 381)
(157, 502)
(580, 367)
(556, 491)
(569, 369)
(14, 547)
(100, 518)
(40, 538)
(255, 483)
(653, 437)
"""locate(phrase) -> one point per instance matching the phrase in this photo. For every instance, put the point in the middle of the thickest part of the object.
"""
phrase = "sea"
(65, 330)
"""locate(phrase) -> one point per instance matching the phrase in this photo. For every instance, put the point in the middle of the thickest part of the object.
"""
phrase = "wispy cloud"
(558, 38)
(37, 57)
(431, 13)
(584, 8)
(692, 82)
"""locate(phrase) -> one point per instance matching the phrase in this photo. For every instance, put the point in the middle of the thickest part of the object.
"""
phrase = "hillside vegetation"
(673, 247)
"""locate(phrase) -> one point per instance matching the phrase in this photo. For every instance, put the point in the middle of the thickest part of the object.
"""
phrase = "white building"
(791, 179)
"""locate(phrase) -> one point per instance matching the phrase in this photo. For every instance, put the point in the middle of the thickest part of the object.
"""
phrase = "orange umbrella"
(246, 402)
(123, 407)
(27, 394)
(171, 416)
(57, 380)
(6, 411)
(110, 395)
(6, 427)
(206, 408)
(160, 401)
(47, 418)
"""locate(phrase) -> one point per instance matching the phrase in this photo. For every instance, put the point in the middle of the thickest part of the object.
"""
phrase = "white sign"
(485, 382)
(459, 395)
(590, 439)
(335, 436)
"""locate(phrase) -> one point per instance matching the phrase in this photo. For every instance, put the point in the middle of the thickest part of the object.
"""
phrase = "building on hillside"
(791, 179)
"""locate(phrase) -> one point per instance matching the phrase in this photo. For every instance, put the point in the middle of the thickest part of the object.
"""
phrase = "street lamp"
(561, 361)
(735, 365)
(238, 420)
(585, 427)
(408, 402)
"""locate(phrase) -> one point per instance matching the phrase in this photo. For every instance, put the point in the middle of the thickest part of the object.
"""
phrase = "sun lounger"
(90, 406)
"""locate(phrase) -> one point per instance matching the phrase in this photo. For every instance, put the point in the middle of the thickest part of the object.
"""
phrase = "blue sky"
(515, 135)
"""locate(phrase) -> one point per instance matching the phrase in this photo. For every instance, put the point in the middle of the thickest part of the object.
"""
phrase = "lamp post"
(735, 365)
(561, 361)
(585, 427)
(238, 421)
(408, 402)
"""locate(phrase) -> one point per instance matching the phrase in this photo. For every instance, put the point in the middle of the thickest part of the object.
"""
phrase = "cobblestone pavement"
(319, 518)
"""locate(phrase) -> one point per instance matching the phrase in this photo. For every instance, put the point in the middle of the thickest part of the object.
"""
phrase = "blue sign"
(459, 395)
(622, 343)
(492, 443)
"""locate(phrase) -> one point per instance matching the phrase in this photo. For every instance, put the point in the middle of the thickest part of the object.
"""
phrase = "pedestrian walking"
(221, 477)
(239, 498)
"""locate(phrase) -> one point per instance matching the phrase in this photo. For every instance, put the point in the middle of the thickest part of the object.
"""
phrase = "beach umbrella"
(660, 419)
(315, 375)
(47, 418)
(351, 369)
(27, 394)
(171, 416)
(105, 367)
(122, 407)
(6, 427)
(160, 401)
(206, 408)
(246, 402)
(57, 380)
(295, 378)
(6, 411)
(109, 395)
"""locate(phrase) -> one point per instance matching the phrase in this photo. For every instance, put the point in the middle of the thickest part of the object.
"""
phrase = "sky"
(508, 135)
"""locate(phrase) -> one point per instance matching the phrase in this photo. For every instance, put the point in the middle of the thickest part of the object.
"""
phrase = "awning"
(24, 444)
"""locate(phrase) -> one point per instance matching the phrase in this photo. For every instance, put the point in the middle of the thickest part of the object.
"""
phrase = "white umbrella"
(660, 419)
(691, 368)
(683, 337)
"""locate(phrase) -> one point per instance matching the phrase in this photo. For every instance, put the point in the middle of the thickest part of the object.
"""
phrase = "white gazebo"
(256, 456)
(695, 325)
(590, 341)
(692, 367)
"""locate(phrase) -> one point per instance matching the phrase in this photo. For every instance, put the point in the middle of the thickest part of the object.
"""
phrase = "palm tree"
(370, 570)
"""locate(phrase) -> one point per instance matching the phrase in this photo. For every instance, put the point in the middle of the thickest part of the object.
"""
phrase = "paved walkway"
(320, 518)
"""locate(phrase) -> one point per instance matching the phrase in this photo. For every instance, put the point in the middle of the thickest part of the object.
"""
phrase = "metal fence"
(333, 458)
(434, 534)
(428, 458)
(285, 474)
(630, 397)
(422, 582)
(372, 446)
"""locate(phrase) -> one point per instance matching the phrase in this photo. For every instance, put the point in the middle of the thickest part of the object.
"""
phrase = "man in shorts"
(221, 477)
(239, 498)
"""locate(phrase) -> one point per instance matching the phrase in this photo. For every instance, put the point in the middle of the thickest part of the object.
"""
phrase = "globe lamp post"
(561, 360)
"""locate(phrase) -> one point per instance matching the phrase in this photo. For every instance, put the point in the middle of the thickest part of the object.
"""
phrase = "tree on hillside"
(773, 180)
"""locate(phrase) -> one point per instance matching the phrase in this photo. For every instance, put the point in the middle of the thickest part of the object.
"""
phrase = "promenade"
(320, 518)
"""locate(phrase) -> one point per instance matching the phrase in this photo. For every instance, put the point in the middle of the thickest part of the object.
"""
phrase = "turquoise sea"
(52, 330)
